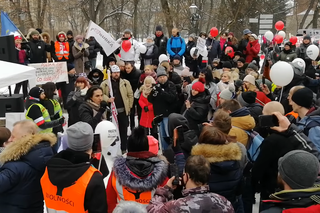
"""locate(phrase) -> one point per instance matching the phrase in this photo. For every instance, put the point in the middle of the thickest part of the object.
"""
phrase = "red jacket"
(252, 50)
(146, 117)
(262, 99)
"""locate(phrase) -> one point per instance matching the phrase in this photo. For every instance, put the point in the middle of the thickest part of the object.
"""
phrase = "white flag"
(106, 41)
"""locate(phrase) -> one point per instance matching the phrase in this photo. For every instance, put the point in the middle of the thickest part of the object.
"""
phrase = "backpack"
(310, 125)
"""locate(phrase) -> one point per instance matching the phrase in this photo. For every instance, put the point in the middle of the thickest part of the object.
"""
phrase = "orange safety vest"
(126, 194)
(66, 50)
(72, 199)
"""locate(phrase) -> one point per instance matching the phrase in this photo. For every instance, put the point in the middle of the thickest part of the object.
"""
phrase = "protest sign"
(50, 72)
(201, 44)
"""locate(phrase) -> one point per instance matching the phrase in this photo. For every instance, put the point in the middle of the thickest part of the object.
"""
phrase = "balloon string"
(281, 95)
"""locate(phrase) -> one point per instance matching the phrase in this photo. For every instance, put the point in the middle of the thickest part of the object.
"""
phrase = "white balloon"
(193, 49)
(269, 35)
(313, 52)
(301, 63)
(204, 53)
(281, 73)
(283, 34)
(142, 49)
(108, 134)
(163, 57)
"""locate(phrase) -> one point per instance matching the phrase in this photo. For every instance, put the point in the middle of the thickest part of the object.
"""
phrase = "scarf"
(84, 91)
(95, 108)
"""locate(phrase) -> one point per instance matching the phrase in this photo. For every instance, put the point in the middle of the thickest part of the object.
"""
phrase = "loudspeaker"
(8, 50)
(14, 103)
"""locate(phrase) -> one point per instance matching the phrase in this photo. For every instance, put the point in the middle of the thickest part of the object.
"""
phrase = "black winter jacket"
(36, 50)
(161, 43)
(86, 115)
(188, 58)
(132, 77)
(215, 51)
(73, 108)
(94, 48)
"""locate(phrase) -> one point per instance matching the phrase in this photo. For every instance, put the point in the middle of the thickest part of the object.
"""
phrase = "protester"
(148, 71)
(75, 99)
(160, 41)
(95, 77)
(5, 134)
(128, 182)
(22, 59)
(214, 49)
(70, 40)
(248, 99)
(38, 113)
(61, 50)
(302, 49)
(250, 85)
(131, 55)
(94, 48)
(190, 59)
(298, 171)
(243, 43)
(177, 65)
(252, 49)
(80, 53)
(24, 161)
(47, 39)
(150, 54)
(197, 197)
(94, 109)
(79, 176)
(226, 81)
(242, 66)
(123, 99)
(163, 96)
(231, 42)
(287, 54)
(176, 45)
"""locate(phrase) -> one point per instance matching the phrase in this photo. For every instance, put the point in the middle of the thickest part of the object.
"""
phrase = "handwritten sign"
(201, 44)
(51, 72)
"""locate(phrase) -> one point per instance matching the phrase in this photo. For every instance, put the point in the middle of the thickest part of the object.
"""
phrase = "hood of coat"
(129, 206)
(28, 148)
(240, 112)
(90, 76)
(30, 101)
(66, 167)
(84, 45)
(244, 122)
(155, 167)
(63, 33)
(45, 34)
(175, 120)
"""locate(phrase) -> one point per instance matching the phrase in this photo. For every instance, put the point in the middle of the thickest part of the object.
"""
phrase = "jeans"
(123, 123)
(93, 63)
(164, 133)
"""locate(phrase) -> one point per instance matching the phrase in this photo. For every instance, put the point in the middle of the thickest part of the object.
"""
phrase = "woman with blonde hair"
(250, 85)
(226, 80)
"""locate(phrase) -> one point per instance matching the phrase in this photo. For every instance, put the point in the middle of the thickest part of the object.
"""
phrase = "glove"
(77, 95)
(104, 104)
(61, 120)
(146, 109)
(82, 50)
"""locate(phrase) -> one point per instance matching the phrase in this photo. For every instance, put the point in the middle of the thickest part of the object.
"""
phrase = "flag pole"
(22, 35)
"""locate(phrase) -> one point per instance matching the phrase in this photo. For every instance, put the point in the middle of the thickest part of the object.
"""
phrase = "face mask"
(95, 79)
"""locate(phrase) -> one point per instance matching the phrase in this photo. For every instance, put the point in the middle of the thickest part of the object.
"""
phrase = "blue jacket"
(178, 46)
(24, 162)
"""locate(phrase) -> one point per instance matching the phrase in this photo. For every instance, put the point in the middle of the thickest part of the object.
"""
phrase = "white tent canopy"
(11, 73)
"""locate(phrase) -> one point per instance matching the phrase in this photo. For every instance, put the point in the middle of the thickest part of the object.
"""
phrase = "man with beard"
(37, 48)
(160, 41)
(298, 172)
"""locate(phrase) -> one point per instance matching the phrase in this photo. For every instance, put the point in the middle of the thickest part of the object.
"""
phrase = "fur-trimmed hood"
(218, 153)
(20, 148)
(45, 34)
(129, 206)
(127, 178)
(84, 45)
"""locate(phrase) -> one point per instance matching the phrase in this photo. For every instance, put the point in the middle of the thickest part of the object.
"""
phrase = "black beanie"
(70, 33)
(242, 60)
(155, 62)
(303, 97)
(35, 92)
(158, 28)
(226, 64)
(307, 37)
(39, 30)
(247, 98)
(138, 141)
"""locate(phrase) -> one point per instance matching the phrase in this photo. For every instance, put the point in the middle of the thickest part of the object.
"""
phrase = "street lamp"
(194, 17)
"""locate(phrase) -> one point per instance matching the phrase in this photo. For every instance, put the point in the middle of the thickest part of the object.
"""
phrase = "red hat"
(17, 37)
(62, 35)
(198, 86)
(231, 33)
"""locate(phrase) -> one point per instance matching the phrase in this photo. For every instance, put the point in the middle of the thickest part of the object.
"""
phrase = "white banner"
(106, 41)
(201, 44)
(50, 72)
(113, 105)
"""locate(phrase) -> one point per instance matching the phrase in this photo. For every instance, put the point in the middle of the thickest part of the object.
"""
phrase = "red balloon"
(278, 39)
(279, 25)
(126, 45)
(293, 40)
(214, 32)
(262, 57)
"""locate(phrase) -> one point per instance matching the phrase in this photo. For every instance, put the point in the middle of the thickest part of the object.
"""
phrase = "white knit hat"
(251, 79)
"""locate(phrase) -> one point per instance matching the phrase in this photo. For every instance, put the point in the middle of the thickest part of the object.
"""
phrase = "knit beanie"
(39, 30)
(78, 37)
(155, 62)
(253, 66)
(127, 31)
(138, 140)
(120, 63)
(34, 32)
(198, 86)
(226, 64)
(161, 71)
(251, 79)
(35, 92)
(242, 60)
(80, 136)
(70, 33)
(177, 57)
(238, 53)
(228, 94)
(5, 134)
(303, 97)
(247, 98)
(159, 28)
(70, 66)
(307, 37)
(299, 169)
(115, 68)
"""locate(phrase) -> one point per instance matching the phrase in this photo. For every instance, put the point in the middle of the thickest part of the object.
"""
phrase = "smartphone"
(96, 146)
(268, 120)
(263, 80)
(174, 171)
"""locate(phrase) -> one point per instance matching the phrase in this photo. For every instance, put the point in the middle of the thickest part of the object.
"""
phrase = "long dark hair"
(91, 91)
(207, 71)
(49, 89)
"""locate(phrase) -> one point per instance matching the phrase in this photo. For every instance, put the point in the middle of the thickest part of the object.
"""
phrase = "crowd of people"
(204, 116)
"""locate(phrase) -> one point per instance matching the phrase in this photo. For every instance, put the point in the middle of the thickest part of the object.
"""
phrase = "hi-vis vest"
(45, 115)
(72, 197)
(56, 108)
(126, 194)
(66, 50)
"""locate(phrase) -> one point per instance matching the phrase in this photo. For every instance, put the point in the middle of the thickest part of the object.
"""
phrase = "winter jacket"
(36, 50)
(287, 56)
(255, 111)
(71, 43)
(133, 77)
(50, 42)
(241, 120)
(273, 147)
(313, 132)
(146, 117)
(176, 46)
(49, 105)
(94, 48)
(222, 42)
(195, 200)
(188, 58)
(161, 43)
(163, 98)
(24, 163)
(198, 112)
(139, 174)
(125, 90)
(149, 55)
(72, 106)
(294, 201)
(214, 51)
(252, 51)
(261, 98)
(302, 51)
(243, 43)
(132, 54)
(65, 168)
(95, 80)
(80, 57)
(86, 114)
(227, 163)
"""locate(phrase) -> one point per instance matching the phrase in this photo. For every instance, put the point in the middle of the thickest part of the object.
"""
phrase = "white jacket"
(133, 53)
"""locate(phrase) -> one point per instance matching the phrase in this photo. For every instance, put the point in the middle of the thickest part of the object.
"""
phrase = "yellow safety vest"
(56, 107)
(45, 115)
